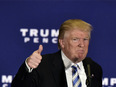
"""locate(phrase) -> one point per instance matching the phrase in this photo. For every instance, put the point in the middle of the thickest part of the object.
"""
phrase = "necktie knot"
(74, 69)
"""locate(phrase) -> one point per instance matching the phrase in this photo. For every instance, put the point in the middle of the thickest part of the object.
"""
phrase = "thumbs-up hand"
(34, 60)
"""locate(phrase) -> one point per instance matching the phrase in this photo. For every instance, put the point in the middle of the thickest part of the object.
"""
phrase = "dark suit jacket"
(51, 73)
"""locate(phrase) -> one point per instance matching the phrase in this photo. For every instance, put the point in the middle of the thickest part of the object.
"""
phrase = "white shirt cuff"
(29, 69)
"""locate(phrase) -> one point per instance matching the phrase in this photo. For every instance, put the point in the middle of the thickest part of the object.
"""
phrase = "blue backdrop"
(24, 25)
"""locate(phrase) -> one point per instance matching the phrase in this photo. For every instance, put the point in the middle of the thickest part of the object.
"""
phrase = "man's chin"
(79, 59)
(80, 55)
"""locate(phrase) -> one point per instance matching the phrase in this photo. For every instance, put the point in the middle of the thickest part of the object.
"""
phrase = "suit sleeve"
(25, 79)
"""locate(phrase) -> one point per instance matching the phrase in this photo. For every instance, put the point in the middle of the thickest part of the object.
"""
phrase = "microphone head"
(87, 60)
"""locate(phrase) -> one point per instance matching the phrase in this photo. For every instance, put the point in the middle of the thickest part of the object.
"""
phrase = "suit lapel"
(59, 71)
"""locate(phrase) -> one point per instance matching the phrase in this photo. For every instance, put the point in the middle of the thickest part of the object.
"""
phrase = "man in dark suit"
(55, 70)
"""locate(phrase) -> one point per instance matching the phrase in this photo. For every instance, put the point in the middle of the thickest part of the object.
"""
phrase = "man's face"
(75, 45)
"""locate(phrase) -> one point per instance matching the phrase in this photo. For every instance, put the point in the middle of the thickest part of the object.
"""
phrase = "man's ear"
(61, 41)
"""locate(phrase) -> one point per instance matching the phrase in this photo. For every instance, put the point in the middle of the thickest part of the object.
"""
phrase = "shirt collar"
(68, 63)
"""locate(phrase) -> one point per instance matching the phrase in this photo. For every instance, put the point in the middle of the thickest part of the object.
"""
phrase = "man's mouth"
(80, 51)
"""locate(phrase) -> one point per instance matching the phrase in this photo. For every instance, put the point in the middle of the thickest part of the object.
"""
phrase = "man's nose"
(81, 43)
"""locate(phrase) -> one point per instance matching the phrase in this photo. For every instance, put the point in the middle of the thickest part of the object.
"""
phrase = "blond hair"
(72, 24)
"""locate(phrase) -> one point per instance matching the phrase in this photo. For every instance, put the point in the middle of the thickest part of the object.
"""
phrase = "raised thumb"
(40, 49)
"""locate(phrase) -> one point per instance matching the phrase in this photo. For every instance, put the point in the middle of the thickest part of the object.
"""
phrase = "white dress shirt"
(68, 70)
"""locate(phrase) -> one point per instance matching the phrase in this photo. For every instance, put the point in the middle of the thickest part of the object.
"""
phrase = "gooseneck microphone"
(87, 65)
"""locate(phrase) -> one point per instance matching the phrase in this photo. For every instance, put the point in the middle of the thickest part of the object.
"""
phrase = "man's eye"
(86, 39)
(75, 39)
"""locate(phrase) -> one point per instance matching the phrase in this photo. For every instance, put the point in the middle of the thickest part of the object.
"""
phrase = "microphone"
(87, 64)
